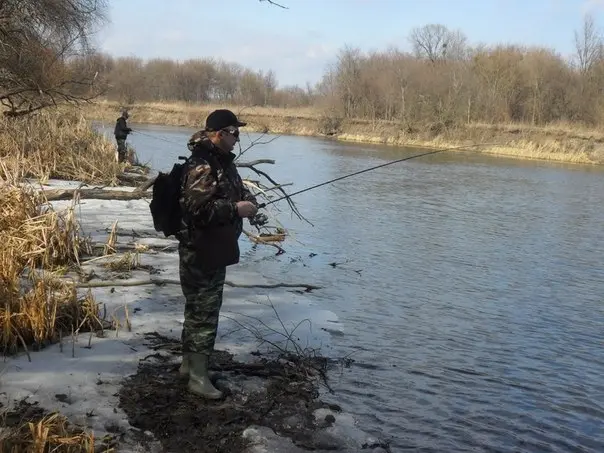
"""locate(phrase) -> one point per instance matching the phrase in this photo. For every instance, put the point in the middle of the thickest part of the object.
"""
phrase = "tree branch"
(264, 240)
(161, 282)
(97, 194)
(291, 203)
(254, 162)
(273, 3)
(146, 185)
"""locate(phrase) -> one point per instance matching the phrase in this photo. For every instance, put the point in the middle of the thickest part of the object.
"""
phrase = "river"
(470, 288)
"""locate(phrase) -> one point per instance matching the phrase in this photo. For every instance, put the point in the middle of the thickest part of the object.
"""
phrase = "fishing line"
(262, 205)
(157, 138)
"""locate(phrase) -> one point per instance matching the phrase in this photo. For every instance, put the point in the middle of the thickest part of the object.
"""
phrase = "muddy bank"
(271, 404)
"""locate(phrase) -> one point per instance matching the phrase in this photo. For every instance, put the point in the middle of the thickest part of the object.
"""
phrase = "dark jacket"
(211, 224)
(121, 129)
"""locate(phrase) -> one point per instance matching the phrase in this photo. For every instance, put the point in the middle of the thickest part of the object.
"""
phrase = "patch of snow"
(81, 377)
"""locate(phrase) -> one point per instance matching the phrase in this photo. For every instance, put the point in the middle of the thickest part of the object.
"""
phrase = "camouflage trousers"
(121, 149)
(203, 299)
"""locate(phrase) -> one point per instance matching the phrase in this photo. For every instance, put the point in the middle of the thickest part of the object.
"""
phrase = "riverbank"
(112, 380)
(562, 143)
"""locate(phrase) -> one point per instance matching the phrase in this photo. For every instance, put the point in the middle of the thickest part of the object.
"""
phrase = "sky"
(299, 42)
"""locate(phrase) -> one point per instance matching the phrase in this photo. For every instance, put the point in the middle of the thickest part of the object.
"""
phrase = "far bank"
(562, 143)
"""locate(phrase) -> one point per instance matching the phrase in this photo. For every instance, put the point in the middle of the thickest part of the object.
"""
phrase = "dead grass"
(285, 121)
(559, 128)
(126, 263)
(57, 144)
(562, 142)
(27, 429)
(169, 111)
(36, 244)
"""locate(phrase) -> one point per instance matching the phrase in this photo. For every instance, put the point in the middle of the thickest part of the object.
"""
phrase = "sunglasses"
(233, 132)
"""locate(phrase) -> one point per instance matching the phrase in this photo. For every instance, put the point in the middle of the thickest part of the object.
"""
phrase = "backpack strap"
(205, 154)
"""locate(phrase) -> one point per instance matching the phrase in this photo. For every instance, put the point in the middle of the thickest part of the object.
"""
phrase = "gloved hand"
(246, 209)
(259, 220)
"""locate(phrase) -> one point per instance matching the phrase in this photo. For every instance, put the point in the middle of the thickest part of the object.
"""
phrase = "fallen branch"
(99, 246)
(291, 204)
(266, 241)
(149, 182)
(132, 178)
(254, 162)
(97, 194)
(146, 185)
(161, 282)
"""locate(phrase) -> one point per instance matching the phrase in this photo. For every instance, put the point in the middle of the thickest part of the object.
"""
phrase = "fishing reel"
(259, 220)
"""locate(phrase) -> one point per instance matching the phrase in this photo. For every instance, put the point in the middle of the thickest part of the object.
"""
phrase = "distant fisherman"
(121, 134)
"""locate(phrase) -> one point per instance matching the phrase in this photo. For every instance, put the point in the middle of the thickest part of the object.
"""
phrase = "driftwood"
(265, 240)
(136, 194)
(144, 187)
(254, 162)
(97, 194)
(149, 182)
(99, 247)
(132, 179)
(161, 282)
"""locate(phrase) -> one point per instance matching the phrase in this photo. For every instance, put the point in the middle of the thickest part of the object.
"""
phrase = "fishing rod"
(262, 205)
(157, 138)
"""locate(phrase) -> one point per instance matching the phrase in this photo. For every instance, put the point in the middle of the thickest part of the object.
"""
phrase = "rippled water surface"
(471, 294)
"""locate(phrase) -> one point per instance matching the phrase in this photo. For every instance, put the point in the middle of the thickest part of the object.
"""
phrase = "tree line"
(46, 58)
(131, 79)
(442, 79)
(445, 80)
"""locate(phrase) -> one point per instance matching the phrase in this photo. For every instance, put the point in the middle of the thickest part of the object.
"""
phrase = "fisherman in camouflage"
(121, 132)
(214, 202)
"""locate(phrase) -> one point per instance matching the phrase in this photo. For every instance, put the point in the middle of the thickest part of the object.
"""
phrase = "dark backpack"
(165, 204)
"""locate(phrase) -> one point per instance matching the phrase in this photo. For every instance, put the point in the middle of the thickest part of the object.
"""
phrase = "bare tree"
(270, 86)
(126, 81)
(348, 80)
(38, 41)
(436, 42)
(588, 45)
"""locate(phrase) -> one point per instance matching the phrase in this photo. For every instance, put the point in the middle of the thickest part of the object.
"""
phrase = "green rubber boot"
(184, 369)
(199, 380)
(184, 366)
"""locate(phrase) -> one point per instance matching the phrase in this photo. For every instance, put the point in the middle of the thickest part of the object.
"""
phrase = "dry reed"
(125, 263)
(35, 240)
(57, 144)
(27, 429)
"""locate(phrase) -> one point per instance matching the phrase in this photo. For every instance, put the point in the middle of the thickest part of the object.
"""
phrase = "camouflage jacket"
(208, 203)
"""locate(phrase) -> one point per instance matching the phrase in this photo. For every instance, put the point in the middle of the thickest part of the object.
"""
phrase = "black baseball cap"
(221, 118)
